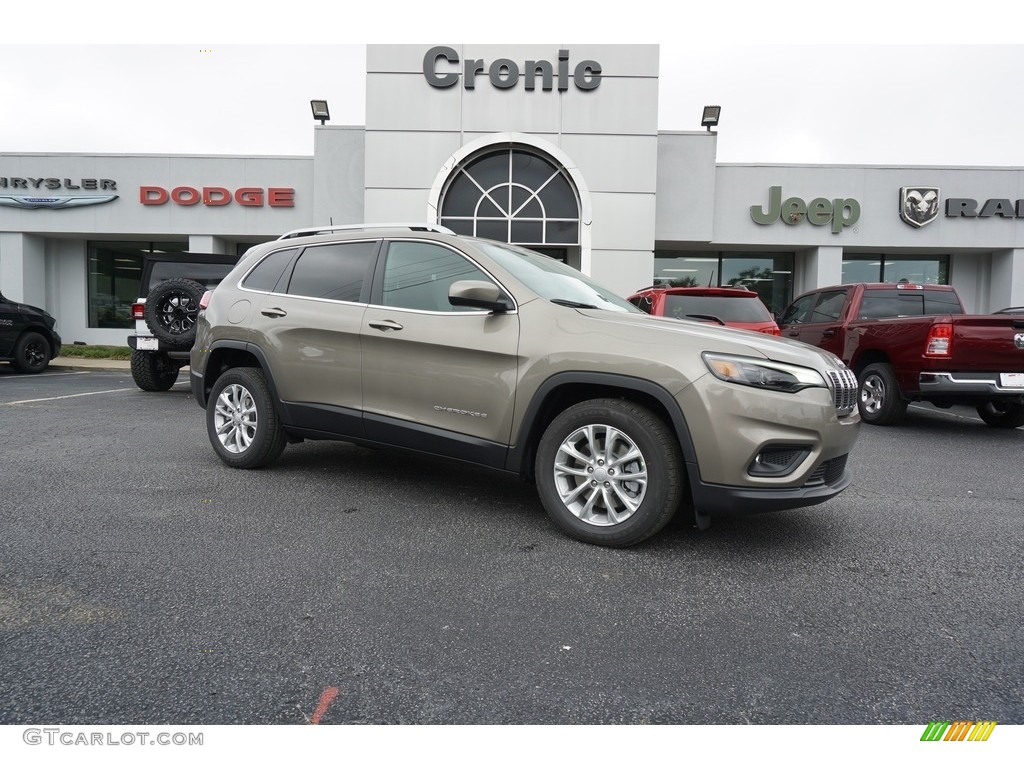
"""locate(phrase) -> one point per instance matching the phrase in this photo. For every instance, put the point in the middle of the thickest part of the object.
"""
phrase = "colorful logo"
(959, 730)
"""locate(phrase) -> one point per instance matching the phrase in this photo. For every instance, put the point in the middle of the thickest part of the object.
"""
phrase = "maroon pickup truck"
(911, 342)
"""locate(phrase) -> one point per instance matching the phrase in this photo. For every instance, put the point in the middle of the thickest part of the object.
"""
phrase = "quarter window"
(265, 275)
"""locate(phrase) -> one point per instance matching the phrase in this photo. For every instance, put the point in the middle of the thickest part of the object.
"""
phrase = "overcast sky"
(936, 84)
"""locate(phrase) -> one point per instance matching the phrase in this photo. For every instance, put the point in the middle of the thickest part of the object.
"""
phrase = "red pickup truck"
(911, 342)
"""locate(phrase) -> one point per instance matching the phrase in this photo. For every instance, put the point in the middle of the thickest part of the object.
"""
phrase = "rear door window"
(336, 271)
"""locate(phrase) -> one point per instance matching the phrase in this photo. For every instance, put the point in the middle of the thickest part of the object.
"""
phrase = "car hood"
(722, 339)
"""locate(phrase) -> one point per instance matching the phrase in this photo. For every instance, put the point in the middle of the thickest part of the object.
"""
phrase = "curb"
(87, 364)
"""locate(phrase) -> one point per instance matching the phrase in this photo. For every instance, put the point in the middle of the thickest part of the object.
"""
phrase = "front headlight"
(764, 374)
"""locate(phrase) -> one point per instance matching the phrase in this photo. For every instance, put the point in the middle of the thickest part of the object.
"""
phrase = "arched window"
(512, 195)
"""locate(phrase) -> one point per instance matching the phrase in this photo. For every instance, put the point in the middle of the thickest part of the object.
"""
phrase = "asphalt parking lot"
(142, 581)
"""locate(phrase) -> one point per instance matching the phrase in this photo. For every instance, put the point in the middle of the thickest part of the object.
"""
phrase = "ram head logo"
(919, 205)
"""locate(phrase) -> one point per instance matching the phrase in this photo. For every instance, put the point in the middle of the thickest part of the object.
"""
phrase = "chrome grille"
(844, 390)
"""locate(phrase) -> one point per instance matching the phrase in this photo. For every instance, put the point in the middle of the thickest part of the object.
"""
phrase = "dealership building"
(555, 147)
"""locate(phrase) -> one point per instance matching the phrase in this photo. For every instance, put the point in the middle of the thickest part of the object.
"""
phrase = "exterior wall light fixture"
(321, 113)
(710, 117)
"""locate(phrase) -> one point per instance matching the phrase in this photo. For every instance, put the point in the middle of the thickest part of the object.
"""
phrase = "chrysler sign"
(31, 192)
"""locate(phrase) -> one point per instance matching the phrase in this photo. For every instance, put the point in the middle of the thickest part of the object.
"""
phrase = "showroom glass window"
(115, 269)
(770, 275)
(513, 196)
(879, 268)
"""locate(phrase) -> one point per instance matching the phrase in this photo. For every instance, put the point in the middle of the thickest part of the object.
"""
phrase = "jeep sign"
(841, 211)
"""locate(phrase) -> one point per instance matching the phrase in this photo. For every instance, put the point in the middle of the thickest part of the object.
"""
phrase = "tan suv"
(415, 338)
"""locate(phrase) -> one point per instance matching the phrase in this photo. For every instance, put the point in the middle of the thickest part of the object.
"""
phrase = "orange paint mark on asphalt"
(325, 701)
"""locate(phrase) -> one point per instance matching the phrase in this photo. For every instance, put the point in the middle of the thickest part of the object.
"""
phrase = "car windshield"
(730, 309)
(553, 280)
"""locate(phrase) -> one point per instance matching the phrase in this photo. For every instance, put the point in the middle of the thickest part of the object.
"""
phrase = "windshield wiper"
(708, 317)
(573, 304)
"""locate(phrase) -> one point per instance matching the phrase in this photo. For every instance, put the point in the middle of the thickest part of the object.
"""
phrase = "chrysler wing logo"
(58, 201)
(919, 205)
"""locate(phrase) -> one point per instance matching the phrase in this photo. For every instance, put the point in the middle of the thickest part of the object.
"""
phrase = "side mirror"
(478, 294)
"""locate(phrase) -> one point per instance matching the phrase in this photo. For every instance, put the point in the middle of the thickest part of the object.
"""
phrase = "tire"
(241, 420)
(153, 372)
(576, 480)
(1002, 415)
(879, 399)
(32, 353)
(171, 310)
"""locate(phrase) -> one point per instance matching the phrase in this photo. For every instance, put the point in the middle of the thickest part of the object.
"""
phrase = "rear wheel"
(880, 400)
(1002, 415)
(153, 372)
(31, 353)
(609, 472)
(241, 420)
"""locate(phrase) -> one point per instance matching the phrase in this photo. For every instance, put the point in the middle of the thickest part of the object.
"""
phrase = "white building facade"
(551, 146)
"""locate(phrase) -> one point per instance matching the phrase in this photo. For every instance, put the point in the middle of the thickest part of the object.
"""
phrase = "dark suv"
(28, 336)
(416, 338)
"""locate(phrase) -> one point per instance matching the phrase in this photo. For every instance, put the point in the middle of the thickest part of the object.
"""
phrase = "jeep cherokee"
(414, 338)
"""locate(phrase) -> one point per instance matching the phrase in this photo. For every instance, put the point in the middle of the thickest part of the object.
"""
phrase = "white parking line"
(65, 397)
(41, 375)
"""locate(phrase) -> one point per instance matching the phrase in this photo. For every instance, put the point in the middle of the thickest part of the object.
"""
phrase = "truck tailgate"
(988, 343)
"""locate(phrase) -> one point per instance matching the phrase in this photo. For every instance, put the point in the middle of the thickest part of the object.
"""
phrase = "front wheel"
(31, 353)
(609, 472)
(880, 400)
(241, 420)
(1002, 415)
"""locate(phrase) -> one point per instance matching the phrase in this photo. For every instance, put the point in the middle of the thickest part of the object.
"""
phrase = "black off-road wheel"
(171, 310)
(880, 400)
(1002, 415)
(31, 353)
(154, 371)
(609, 472)
(241, 420)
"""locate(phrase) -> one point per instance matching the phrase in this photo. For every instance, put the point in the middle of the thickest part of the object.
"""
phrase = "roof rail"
(415, 227)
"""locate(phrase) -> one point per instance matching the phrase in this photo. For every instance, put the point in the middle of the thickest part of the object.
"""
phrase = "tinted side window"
(829, 307)
(941, 303)
(798, 310)
(418, 276)
(336, 271)
(264, 276)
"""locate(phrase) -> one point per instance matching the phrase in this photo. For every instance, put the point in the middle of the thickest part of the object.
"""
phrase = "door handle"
(386, 325)
(273, 312)
(794, 334)
(826, 334)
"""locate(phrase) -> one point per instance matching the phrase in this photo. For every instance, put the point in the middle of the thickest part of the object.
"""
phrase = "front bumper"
(712, 500)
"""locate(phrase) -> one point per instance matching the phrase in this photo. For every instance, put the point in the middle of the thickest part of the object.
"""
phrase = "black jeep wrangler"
(165, 315)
